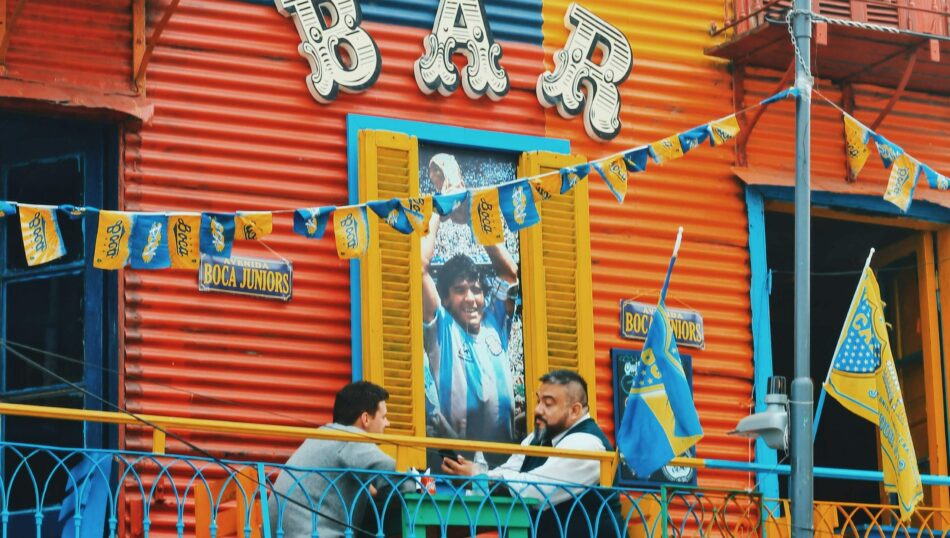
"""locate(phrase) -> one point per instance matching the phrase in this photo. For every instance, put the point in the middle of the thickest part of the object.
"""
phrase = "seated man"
(359, 407)
(561, 420)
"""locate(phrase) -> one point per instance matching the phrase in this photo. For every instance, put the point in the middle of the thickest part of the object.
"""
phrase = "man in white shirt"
(562, 420)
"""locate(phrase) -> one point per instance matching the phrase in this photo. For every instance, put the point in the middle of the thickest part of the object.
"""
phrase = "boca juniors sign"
(270, 279)
(687, 325)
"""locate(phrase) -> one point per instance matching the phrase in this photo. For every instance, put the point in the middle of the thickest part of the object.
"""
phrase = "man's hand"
(460, 467)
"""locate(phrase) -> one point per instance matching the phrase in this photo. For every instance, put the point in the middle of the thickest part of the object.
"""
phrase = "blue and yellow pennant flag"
(445, 204)
(864, 380)
(351, 231)
(546, 186)
(724, 130)
(253, 224)
(517, 205)
(888, 150)
(856, 136)
(149, 243)
(636, 159)
(614, 172)
(112, 240)
(935, 180)
(693, 137)
(217, 234)
(7, 208)
(902, 182)
(660, 421)
(486, 217)
(183, 236)
(42, 240)
(571, 175)
(311, 222)
(419, 211)
(667, 149)
(394, 213)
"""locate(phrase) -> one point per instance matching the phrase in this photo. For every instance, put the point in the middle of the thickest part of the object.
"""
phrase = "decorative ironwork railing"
(852, 520)
(47, 491)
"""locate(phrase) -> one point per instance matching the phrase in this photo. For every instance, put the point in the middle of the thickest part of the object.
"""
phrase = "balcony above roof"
(908, 42)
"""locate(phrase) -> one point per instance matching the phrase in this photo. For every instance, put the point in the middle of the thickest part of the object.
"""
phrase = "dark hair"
(355, 398)
(567, 377)
(459, 267)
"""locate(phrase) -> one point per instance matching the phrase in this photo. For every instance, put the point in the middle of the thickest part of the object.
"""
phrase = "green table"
(425, 510)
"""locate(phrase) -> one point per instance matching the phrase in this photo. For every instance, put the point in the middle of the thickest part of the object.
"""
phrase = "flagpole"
(802, 492)
(821, 398)
(669, 270)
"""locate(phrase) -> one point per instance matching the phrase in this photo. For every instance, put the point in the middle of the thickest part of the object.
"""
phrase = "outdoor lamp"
(772, 424)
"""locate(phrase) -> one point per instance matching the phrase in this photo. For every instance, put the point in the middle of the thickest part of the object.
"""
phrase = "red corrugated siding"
(235, 128)
(672, 87)
(81, 43)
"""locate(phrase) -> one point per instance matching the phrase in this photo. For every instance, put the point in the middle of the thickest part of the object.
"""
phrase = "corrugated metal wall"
(79, 43)
(673, 86)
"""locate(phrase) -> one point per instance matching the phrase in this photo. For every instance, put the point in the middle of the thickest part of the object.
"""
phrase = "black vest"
(559, 519)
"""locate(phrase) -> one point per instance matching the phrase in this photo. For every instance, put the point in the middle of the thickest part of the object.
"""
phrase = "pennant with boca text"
(253, 224)
(419, 211)
(42, 240)
(149, 244)
(724, 130)
(184, 230)
(934, 179)
(902, 182)
(393, 212)
(888, 150)
(351, 231)
(486, 217)
(614, 172)
(217, 234)
(112, 240)
(517, 205)
(545, 186)
(693, 137)
(856, 137)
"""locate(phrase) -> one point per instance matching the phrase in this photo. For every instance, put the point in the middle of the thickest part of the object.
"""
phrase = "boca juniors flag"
(42, 240)
(149, 243)
(517, 205)
(112, 240)
(217, 234)
(351, 231)
(183, 235)
(486, 217)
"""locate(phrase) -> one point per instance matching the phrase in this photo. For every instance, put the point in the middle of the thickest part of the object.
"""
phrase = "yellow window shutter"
(391, 280)
(556, 280)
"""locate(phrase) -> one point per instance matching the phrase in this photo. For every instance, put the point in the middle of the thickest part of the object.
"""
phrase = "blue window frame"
(60, 315)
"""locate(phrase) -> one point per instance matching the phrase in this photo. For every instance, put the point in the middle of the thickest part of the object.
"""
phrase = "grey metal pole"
(802, 485)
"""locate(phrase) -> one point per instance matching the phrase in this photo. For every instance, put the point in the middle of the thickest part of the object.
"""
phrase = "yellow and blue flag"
(42, 240)
(517, 205)
(667, 149)
(636, 159)
(571, 175)
(693, 137)
(419, 210)
(311, 222)
(7, 208)
(934, 179)
(486, 217)
(888, 150)
(902, 182)
(445, 204)
(217, 234)
(788, 92)
(394, 213)
(183, 235)
(149, 243)
(253, 224)
(864, 380)
(546, 186)
(856, 136)
(660, 421)
(112, 240)
(614, 173)
(723, 130)
(351, 231)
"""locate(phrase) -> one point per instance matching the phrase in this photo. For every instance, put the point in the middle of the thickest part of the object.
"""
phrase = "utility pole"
(802, 484)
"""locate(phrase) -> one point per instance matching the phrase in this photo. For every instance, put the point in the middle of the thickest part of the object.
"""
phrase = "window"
(553, 263)
(64, 308)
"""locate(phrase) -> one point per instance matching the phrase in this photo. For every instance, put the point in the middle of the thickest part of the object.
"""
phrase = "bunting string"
(155, 240)
(905, 170)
